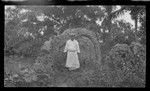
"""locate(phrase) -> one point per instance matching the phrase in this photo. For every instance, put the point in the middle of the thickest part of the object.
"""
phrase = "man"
(72, 48)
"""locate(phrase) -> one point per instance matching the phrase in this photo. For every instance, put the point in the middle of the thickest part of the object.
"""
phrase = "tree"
(111, 15)
(135, 11)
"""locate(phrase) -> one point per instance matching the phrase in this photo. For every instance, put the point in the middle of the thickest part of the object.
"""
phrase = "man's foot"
(72, 68)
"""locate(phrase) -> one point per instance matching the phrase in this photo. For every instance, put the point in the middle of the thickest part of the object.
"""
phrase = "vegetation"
(112, 54)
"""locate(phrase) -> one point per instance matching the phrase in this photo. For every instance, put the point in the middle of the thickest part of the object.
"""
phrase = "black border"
(88, 2)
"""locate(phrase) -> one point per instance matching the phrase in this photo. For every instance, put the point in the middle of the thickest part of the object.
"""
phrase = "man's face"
(72, 37)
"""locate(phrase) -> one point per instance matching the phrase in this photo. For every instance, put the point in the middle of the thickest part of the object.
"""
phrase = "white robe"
(72, 48)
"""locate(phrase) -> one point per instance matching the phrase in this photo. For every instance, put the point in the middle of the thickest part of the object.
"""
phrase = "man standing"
(72, 48)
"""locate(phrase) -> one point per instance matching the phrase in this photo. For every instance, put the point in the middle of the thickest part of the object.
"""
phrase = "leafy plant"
(118, 62)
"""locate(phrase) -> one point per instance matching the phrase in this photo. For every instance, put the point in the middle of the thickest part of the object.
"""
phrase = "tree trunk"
(136, 21)
(136, 27)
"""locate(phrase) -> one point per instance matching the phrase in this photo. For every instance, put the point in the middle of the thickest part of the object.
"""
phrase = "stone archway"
(88, 43)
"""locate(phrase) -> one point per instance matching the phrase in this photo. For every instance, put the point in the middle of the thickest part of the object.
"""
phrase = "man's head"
(72, 37)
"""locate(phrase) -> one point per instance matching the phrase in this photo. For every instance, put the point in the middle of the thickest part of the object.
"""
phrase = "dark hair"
(71, 35)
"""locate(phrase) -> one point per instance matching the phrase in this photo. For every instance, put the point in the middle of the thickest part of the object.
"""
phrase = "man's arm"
(66, 47)
(78, 48)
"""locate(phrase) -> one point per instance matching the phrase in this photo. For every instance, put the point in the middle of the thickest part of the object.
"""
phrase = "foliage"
(118, 63)
(120, 66)
(121, 62)
(139, 62)
(44, 64)
(18, 72)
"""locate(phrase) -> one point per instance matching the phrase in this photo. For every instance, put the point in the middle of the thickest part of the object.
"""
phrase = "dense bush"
(121, 68)
(20, 72)
(139, 62)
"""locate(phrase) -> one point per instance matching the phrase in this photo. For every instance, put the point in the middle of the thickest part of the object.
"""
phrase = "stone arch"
(83, 36)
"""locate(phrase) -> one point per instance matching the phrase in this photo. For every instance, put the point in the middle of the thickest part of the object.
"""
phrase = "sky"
(127, 18)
